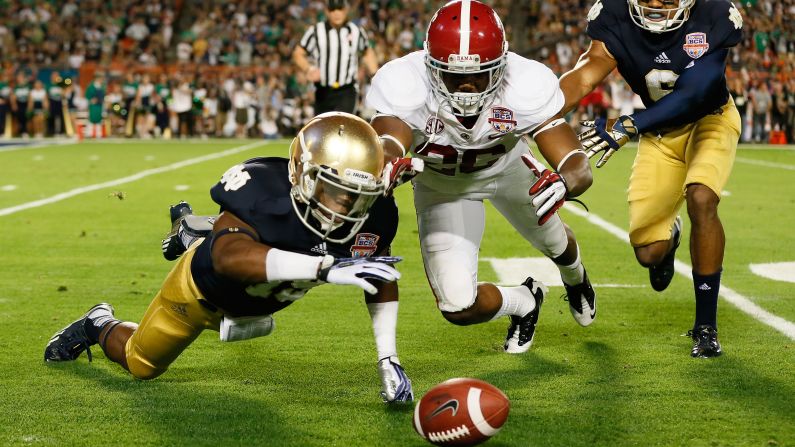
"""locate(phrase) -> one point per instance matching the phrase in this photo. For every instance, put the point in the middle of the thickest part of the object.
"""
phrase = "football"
(461, 412)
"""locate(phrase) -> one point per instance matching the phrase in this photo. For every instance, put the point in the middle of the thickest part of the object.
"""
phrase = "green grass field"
(625, 381)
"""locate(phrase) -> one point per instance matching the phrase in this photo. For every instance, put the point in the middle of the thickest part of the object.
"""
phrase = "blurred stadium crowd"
(218, 68)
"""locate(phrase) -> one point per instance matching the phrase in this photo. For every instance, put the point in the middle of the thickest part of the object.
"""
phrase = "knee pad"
(454, 294)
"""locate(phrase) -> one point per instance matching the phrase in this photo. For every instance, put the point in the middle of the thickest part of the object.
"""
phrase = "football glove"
(356, 272)
(344, 262)
(549, 191)
(599, 139)
(395, 384)
(400, 171)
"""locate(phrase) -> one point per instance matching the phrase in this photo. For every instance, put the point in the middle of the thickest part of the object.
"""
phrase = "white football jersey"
(529, 96)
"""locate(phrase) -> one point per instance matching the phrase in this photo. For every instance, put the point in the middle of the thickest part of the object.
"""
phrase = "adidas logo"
(320, 248)
(704, 287)
(662, 59)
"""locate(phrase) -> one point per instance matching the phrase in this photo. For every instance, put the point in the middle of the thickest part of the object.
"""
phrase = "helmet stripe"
(463, 46)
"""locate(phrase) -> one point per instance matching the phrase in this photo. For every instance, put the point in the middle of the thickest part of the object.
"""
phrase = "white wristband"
(394, 140)
(283, 265)
(552, 124)
(566, 158)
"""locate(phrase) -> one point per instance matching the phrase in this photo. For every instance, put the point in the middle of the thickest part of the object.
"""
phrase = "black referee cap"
(337, 4)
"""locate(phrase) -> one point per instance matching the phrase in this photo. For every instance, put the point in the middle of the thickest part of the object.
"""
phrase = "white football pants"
(451, 225)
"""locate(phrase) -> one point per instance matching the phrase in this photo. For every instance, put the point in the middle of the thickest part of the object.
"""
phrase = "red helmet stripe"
(463, 46)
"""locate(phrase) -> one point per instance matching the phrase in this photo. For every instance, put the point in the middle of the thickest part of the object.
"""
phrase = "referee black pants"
(342, 99)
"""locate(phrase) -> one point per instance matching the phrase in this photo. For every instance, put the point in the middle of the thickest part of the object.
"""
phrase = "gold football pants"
(173, 320)
(698, 153)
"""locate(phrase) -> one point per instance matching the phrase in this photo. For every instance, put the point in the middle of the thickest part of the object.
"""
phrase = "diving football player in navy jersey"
(285, 227)
(673, 54)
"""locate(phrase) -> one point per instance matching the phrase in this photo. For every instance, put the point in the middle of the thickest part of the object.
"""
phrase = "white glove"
(357, 272)
(549, 191)
(400, 171)
(395, 384)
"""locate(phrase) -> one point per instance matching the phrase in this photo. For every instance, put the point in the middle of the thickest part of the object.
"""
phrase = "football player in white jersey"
(464, 105)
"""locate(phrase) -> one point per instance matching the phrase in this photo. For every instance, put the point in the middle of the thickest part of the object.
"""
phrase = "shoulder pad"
(398, 88)
(532, 88)
(603, 18)
(726, 22)
(257, 186)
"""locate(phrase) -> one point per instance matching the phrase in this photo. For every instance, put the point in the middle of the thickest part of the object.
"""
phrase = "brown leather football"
(461, 412)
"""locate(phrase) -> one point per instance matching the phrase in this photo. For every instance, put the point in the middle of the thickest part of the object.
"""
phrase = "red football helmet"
(465, 44)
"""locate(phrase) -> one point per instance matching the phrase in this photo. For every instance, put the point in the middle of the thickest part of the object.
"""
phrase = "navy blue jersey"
(651, 63)
(258, 192)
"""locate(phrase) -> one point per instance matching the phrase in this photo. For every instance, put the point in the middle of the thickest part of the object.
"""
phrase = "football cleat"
(68, 343)
(705, 342)
(582, 301)
(185, 230)
(172, 243)
(522, 329)
(661, 275)
(395, 384)
(181, 209)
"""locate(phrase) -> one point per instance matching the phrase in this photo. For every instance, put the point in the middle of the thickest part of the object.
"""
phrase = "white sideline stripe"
(767, 164)
(47, 143)
(739, 301)
(146, 173)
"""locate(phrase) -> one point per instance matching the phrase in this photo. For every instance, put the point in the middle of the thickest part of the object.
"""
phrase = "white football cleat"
(582, 301)
(523, 329)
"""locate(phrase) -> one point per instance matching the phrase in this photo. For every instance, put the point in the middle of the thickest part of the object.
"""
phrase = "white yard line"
(131, 178)
(767, 164)
(739, 301)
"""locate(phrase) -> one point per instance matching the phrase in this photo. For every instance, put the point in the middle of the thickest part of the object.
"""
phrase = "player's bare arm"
(591, 69)
(570, 175)
(396, 139)
(395, 136)
(561, 148)
(236, 253)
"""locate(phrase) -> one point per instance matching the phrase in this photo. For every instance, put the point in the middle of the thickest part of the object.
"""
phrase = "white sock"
(573, 274)
(515, 301)
(384, 316)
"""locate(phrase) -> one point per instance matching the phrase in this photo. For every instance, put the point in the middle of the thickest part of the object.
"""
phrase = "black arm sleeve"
(699, 91)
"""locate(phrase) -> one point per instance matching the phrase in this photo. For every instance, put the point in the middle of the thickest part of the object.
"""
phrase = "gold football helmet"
(335, 168)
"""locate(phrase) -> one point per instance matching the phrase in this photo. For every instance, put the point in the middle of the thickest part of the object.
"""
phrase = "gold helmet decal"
(335, 168)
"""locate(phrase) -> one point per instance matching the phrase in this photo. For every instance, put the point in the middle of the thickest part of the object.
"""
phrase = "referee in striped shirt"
(329, 55)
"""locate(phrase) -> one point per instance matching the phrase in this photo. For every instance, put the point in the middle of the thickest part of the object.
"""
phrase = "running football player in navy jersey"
(285, 227)
(673, 54)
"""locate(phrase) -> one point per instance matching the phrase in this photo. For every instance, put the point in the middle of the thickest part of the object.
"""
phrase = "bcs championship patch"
(696, 45)
(364, 244)
(502, 119)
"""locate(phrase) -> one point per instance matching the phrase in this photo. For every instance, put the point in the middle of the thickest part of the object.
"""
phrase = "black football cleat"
(660, 276)
(582, 301)
(705, 342)
(522, 329)
(172, 244)
(68, 343)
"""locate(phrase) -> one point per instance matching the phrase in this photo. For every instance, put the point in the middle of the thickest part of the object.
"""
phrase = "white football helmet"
(660, 20)
(335, 168)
